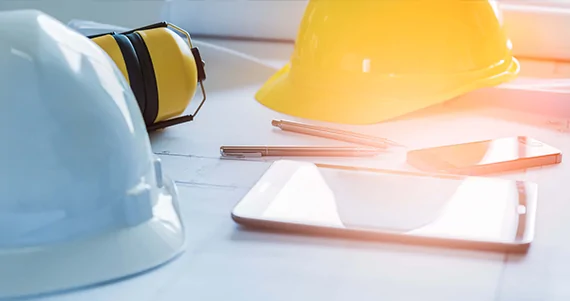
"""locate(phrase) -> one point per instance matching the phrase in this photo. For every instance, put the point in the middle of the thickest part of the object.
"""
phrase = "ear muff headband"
(151, 90)
(133, 69)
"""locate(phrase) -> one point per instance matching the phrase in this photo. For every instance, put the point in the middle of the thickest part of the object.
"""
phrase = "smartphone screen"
(469, 208)
(487, 152)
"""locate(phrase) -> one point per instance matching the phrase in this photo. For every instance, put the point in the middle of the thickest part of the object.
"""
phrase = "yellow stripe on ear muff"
(108, 43)
(175, 70)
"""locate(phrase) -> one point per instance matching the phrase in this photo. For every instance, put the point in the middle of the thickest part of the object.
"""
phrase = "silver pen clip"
(247, 155)
(241, 155)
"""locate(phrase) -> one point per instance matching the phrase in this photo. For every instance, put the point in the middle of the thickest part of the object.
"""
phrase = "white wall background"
(128, 13)
(538, 29)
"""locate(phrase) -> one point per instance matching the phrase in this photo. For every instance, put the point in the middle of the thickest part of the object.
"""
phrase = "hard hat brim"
(368, 104)
(60, 268)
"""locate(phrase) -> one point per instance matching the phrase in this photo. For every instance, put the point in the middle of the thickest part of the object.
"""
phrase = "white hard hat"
(83, 199)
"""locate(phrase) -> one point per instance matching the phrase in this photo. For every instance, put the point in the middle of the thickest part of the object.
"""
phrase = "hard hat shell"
(365, 61)
(83, 200)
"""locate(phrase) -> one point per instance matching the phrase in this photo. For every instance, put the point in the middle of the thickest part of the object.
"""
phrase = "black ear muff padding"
(133, 69)
(150, 111)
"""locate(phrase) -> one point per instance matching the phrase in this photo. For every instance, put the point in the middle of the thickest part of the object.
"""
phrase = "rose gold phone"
(485, 157)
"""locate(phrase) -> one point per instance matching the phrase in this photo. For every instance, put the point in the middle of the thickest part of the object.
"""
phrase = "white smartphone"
(406, 207)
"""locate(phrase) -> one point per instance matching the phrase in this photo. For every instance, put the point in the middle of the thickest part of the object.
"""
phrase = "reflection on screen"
(472, 208)
(492, 151)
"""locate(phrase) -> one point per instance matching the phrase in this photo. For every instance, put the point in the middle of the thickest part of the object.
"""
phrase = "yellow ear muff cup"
(133, 69)
(150, 110)
(175, 70)
(109, 44)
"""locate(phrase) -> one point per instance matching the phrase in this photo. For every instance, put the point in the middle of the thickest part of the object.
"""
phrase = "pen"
(333, 134)
(309, 151)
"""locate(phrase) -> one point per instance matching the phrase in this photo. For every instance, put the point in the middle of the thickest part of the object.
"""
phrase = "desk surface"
(224, 262)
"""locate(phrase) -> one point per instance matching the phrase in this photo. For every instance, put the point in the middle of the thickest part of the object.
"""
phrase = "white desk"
(224, 262)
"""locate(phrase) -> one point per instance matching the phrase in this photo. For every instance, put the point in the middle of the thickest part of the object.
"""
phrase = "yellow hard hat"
(368, 61)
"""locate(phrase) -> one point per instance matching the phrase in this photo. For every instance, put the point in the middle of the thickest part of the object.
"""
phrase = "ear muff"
(162, 70)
